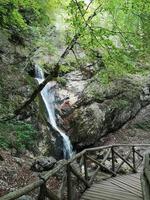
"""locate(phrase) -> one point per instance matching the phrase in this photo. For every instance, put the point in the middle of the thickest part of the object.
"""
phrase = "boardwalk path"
(126, 187)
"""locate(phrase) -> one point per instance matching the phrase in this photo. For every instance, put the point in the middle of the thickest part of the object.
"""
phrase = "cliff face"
(106, 108)
(15, 87)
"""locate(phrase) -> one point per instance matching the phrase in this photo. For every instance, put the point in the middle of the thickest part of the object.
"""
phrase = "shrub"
(17, 134)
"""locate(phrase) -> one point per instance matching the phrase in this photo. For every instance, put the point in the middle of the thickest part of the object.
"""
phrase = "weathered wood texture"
(32, 186)
(84, 160)
(126, 187)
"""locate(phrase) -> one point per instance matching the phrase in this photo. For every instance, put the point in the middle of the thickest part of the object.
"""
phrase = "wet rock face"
(105, 109)
(43, 164)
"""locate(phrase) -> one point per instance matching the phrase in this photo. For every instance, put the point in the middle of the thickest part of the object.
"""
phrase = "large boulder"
(105, 108)
(43, 164)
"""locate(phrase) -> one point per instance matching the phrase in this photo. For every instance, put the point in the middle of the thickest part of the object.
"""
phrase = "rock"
(93, 166)
(106, 108)
(146, 90)
(124, 168)
(19, 161)
(108, 164)
(65, 106)
(43, 164)
(74, 87)
(1, 158)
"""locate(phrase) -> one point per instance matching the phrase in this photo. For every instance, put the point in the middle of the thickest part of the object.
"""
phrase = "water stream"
(48, 96)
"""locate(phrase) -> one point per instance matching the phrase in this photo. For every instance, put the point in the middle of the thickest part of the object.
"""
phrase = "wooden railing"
(77, 174)
(145, 177)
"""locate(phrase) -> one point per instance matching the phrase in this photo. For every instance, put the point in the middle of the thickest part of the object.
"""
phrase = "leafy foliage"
(19, 15)
(17, 135)
(120, 31)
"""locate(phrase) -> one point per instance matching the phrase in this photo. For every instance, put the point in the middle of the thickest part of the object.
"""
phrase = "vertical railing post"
(113, 159)
(69, 183)
(134, 161)
(42, 194)
(85, 166)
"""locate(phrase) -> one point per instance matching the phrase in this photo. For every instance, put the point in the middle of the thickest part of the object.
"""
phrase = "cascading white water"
(48, 97)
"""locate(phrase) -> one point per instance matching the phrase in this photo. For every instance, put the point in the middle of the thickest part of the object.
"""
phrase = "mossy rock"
(105, 108)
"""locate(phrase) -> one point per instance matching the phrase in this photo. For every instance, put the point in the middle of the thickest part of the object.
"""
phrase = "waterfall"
(48, 96)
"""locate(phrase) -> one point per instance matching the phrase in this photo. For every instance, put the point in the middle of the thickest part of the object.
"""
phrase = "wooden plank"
(107, 187)
(126, 185)
(110, 197)
(131, 182)
(128, 188)
(113, 192)
(129, 179)
(105, 198)
(136, 175)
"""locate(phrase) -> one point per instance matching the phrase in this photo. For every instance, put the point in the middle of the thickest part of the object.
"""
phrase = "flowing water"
(48, 96)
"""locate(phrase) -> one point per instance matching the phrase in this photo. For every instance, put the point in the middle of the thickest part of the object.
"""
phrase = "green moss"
(97, 96)
(120, 103)
(62, 81)
(65, 69)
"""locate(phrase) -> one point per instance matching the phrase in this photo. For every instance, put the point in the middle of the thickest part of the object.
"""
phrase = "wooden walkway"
(126, 187)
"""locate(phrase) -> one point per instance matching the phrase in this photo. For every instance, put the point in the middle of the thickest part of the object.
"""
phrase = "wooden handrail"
(124, 162)
(69, 168)
(115, 145)
(32, 186)
(101, 165)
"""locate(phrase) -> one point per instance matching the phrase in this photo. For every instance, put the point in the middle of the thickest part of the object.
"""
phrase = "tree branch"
(54, 73)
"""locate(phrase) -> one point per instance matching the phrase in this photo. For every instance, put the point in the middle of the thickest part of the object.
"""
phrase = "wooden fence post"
(113, 159)
(85, 166)
(134, 161)
(42, 193)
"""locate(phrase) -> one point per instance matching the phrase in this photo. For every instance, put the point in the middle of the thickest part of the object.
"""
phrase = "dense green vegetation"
(21, 135)
(20, 16)
(119, 31)
(113, 36)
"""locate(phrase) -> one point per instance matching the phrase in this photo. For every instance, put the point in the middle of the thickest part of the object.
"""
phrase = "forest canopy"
(118, 30)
